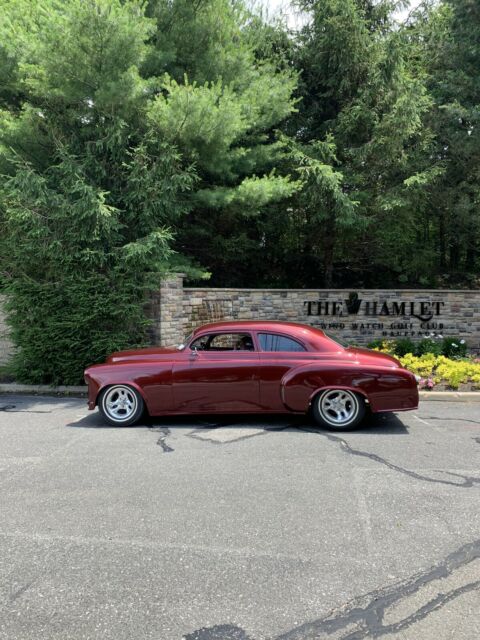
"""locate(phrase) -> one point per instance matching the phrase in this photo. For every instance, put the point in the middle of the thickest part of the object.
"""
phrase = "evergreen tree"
(360, 122)
(89, 192)
(219, 103)
(124, 123)
(449, 42)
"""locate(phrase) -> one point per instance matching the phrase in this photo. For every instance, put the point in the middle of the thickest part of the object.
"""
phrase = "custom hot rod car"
(251, 367)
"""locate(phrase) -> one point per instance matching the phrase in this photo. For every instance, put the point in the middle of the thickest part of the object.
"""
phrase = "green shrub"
(454, 347)
(404, 346)
(375, 344)
(78, 269)
(428, 345)
(449, 347)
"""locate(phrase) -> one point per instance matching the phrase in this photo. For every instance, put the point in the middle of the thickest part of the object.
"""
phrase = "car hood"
(368, 356)
(150, 353)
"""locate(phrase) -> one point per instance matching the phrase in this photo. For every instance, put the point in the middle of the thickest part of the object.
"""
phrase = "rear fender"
(384, 388)
(299, 386)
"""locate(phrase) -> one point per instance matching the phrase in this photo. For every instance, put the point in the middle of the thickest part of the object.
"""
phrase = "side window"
(273, 342)
(224, 342)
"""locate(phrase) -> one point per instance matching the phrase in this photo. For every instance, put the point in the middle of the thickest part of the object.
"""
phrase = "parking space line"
(421, 420)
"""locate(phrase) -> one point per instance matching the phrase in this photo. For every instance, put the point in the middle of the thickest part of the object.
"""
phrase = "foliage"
(384, 144)
(435, 361)
(225, 92)
(359, 121)
(420, 365)
(403, 346)
(448, 346)
(118, 130)
(88, 193)
(443, 370)
(454, 348)
(428, 345)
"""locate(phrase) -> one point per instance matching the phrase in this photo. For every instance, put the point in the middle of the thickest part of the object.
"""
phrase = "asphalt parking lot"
(238, 529)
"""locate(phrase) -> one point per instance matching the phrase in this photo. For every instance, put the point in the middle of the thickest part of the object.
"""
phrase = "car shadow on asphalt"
(383, 424)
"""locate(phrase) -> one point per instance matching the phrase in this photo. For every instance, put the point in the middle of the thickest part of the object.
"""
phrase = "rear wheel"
(338, 409)
(121, 405)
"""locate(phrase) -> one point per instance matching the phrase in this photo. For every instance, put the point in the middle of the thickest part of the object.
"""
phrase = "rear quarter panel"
(386, 389)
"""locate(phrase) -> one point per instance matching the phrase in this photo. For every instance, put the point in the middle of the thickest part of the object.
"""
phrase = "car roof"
(293, 329)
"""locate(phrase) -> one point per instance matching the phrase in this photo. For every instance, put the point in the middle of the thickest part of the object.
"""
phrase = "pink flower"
(426, 383)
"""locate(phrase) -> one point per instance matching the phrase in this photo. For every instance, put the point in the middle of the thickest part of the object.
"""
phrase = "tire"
(121, 405)
(338, 409)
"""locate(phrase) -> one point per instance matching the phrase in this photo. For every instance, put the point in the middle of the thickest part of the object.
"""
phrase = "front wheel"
(338, 409)
(121, 405)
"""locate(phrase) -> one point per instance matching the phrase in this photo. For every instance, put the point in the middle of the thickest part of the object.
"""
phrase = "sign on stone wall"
(355, 316)
(381, 317)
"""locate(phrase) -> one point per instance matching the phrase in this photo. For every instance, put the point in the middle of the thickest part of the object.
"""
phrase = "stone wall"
(357, 317)
(6, 346)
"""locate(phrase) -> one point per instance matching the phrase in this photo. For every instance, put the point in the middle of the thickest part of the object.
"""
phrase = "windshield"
(182, 346)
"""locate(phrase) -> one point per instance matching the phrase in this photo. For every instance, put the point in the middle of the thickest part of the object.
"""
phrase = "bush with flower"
(446, 364)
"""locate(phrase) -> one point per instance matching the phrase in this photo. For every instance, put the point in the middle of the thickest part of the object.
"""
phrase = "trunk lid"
(369, 356)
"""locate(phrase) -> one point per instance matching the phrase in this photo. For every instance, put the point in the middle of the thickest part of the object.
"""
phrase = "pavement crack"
(164, 433)
(451, 419)
(366, 613)
(363, 617)
(16, 594)
(282, 427)
(465, 481)
(218, 632)
(11, 408)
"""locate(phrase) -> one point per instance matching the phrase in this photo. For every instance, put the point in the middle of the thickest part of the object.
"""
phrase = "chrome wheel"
(338, 407)
(120, 403)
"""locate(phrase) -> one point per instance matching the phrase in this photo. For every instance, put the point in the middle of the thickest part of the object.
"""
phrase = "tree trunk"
(442, 241)
(329, 250)
(471, 256)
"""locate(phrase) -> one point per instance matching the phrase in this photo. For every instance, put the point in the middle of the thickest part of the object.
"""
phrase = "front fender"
(152, 381)
(97, 383)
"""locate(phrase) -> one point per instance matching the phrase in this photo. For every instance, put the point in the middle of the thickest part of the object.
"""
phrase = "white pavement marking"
(80, 418)
(155, 544)
(73, 440)
(363, 510)
(421, 420)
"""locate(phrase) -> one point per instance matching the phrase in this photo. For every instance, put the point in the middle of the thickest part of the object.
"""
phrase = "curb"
(44, 389)
(81, 391)
(451, 396)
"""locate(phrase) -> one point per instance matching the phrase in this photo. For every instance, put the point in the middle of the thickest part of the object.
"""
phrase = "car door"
(218, 374)
(278, 354)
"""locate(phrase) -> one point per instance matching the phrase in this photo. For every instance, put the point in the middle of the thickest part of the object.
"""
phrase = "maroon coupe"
(251, 367)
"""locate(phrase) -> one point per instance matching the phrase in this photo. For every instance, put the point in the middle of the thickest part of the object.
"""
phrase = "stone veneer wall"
(6, 346)
(183, 309)
(166, 311)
